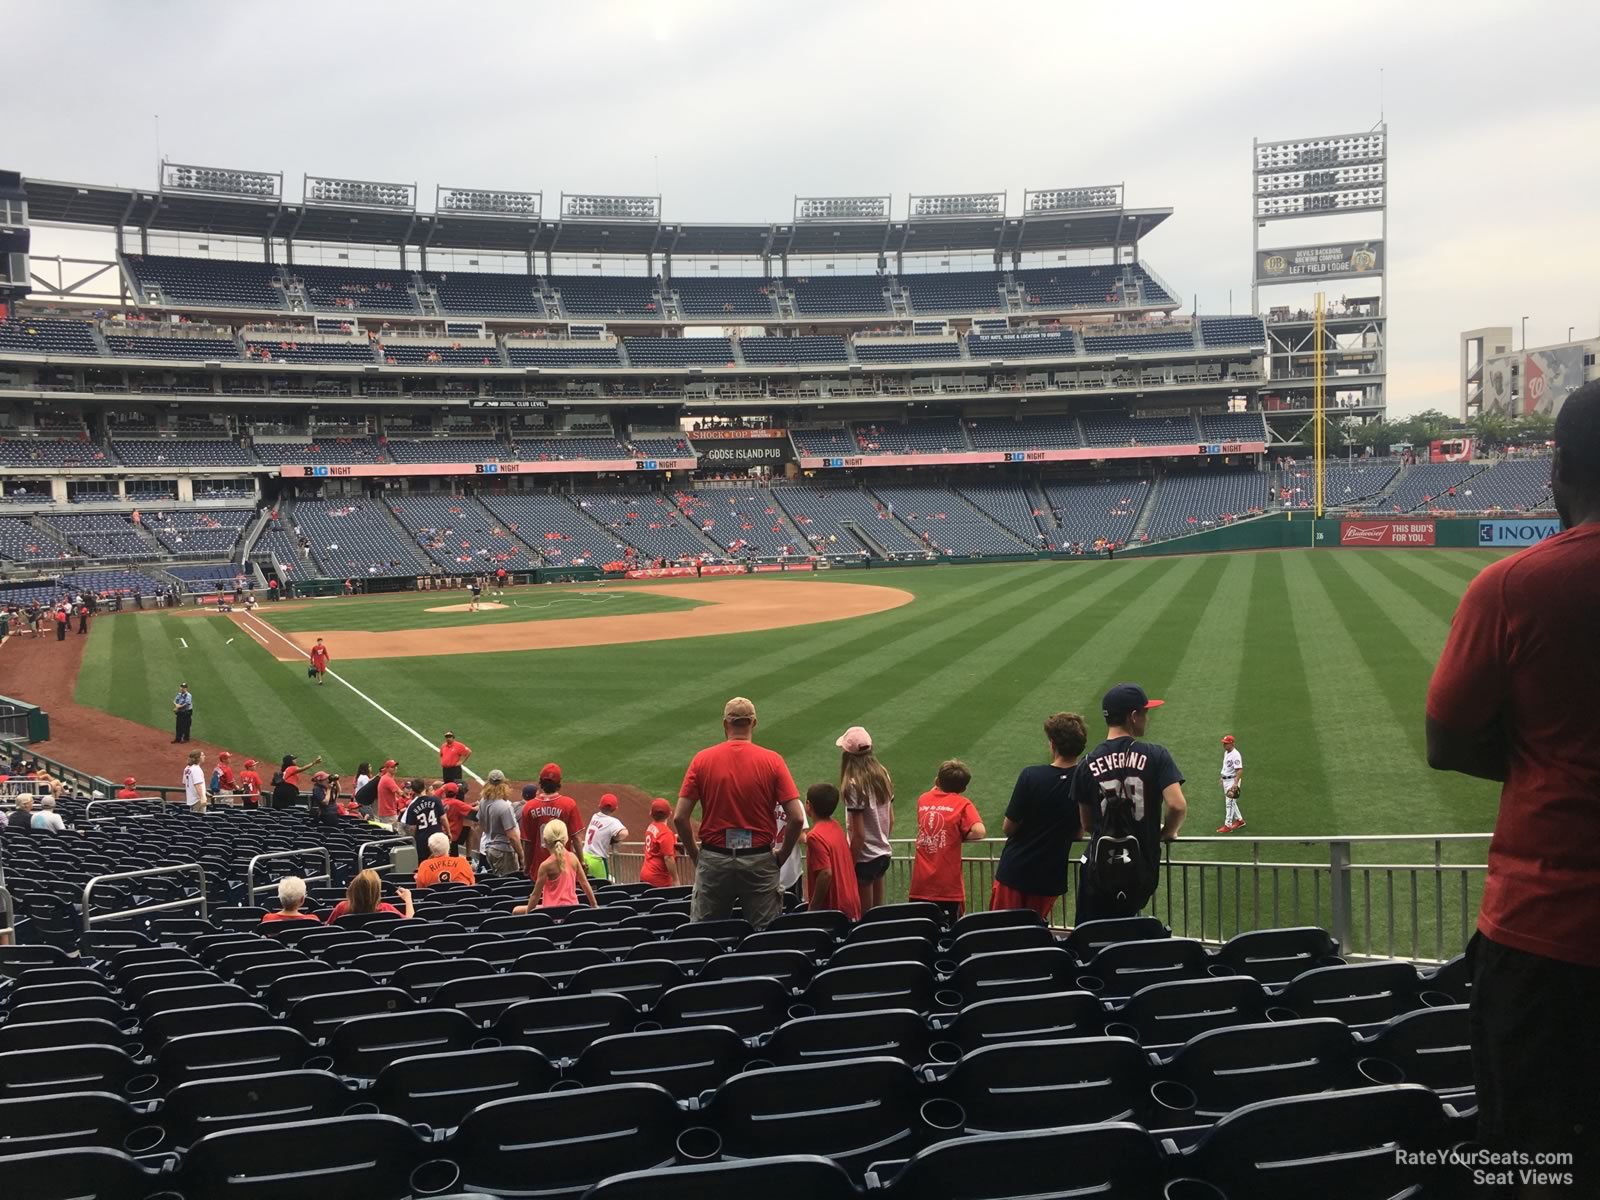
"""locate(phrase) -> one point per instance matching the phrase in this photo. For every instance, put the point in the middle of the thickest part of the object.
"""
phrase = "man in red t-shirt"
(457, 814)
(128, 791)
(1511, 700)
(451, 755)
(226, 781)
(544, 803)
(737, 784)
(830, 867)
(319, 661)
(945, 819)
(391, 800)
(660, 867)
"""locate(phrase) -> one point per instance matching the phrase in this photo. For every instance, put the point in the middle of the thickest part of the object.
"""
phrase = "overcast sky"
(730, 109)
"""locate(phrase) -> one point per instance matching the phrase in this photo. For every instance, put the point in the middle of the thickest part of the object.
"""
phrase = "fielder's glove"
(1233, 793)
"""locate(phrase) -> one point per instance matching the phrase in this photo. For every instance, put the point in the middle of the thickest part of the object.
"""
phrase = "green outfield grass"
(1316, 660)
(385, 614)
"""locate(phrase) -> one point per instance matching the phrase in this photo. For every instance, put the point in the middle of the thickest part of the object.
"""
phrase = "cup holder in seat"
(698, 1144)
(1381, 1071)
(1174, 1096)
(943, 1118)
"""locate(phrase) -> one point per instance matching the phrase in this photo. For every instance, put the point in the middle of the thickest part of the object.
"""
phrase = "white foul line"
(335, 675)
(183, 643)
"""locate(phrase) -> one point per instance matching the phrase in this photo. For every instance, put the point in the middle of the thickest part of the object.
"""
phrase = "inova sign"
(1516, 533)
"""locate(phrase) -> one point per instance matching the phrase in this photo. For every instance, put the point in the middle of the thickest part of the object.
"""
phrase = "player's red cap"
(660, 808)
(129, 781)
(550, 771)
(249, 762)
(609, 800)
(1227, 739)
(223, 754)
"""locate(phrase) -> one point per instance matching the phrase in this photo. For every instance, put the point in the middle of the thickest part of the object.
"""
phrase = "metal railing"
(91, 918)
(1376, 895)
(361, 852)
(137, 808)
(279, 855)
(8, 915)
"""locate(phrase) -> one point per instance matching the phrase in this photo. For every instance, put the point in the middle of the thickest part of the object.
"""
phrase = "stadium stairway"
(247, 539)
(1147, 512)
(1047, 516)
(1000, 527)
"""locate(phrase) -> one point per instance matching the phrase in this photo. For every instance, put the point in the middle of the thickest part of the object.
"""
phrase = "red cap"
(249, 762)
(450, 789)
(320, 775)
(550, 771)
(390, 763)
(660, 808)
(129, 781)
(223, 754)
(609, 800)
(1227, 739)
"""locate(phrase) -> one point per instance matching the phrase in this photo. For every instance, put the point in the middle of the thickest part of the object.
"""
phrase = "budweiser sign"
(1386, 533)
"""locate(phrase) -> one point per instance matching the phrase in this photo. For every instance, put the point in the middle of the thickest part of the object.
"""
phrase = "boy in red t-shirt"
(250, 784)
(830, 869)
(458, 814)
(660, 848)
(945, 819)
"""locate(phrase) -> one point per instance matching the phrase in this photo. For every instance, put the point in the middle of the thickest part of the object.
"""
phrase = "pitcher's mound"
(485, 604)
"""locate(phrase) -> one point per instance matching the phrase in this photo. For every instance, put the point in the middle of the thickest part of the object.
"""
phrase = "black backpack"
(1117, 869)
(367, 794)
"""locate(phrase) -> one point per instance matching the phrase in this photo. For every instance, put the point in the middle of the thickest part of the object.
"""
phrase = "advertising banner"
(1528, 532)
(1386, 533)
(732, 448)
(1549, 377)
(685, 572)
(1337, 260)
(572, 466)
(1096, 454)
(1497, 383)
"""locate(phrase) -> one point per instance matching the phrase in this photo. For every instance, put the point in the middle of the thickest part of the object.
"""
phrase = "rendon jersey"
(1125, 766)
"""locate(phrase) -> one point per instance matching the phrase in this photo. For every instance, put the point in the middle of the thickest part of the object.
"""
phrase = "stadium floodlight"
(221, 181)
(1340, 150)
(487, 202)
(841, 208)
(1331, 179)
(1349, 200)
(969, 204)
(360, 193)
(1075, 199)
(587, 206)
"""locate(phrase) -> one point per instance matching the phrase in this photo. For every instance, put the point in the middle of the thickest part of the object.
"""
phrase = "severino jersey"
(1125, 766)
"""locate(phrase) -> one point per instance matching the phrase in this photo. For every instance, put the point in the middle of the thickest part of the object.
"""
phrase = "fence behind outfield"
(1408, 896)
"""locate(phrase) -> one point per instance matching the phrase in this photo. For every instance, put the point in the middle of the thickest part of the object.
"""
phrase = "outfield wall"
(1279, 531)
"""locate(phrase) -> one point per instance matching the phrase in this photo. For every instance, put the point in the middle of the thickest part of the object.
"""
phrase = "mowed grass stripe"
(1427, 569)
(811, 704)
(1420, 612)
(1368, 704)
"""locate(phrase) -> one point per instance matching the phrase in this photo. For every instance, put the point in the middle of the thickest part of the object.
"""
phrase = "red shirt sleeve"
(967, 819)
(783, 788)
(1469, 684)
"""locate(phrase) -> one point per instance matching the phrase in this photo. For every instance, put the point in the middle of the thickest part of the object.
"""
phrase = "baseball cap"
(739, 709)
(529, 791)
(660, 808)
(287, 759)
(1227, 739)
(855, 740)
(223, 754)
(129, 781)
(550, 771)
(320, 775)
(389, 763)
(449, 733)
(450, 789)
(1126, 698)
(497, 776)
(249, 762)
(609, 800)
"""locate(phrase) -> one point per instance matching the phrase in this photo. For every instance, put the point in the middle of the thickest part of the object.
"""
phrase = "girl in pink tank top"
(559, 875)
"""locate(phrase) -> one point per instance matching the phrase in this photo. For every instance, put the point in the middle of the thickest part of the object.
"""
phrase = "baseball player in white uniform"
(1232, 779)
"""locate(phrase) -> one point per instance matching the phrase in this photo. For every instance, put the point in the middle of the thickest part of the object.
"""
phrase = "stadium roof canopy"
(114, 208)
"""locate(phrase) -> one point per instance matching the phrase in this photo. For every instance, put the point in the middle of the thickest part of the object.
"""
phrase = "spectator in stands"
(365, 894)
(1119, 788)
(603, 833)
(1509, 702)
(291, 895)
(223, 781)
(660, 866)
(443, 866)
(194, 782)
(21, 818)
(128, 791)
(1041, 823)
(286, 783)
(45, 815)
(249, 784)
(945, 819)
(555, 885)
(423, 815)
(324, 800)
(460, 819)
(869, 800)
(542, 804)
(499, 841)
(830, 867)
(390, 795)
(736, 783)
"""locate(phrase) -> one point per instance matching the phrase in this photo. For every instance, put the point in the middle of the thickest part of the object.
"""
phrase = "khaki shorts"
(503, 862)
(749, 880)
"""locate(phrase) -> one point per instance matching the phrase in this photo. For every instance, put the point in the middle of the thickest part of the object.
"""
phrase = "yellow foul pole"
(1319, 451)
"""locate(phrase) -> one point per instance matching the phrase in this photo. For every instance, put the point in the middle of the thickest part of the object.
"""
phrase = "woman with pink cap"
(868, 794)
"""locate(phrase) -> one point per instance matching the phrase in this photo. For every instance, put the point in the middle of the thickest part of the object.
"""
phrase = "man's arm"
(680, 821)
(1008, 827)
(1177, 809)
(1467, 694)
(1238, 780)
(1480, 753)
(793, 821)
